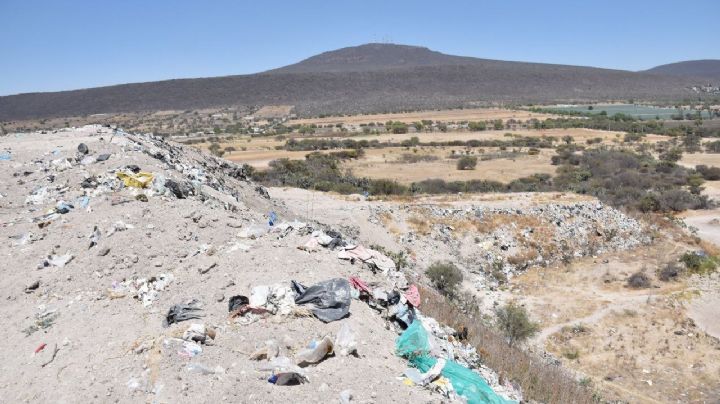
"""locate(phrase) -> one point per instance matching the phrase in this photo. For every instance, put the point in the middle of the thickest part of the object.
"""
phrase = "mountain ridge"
(362, 79)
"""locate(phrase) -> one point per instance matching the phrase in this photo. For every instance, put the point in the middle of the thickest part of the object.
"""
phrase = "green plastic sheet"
(414, 345)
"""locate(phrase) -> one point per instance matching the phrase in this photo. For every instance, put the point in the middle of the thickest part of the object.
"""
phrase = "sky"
(62, 45)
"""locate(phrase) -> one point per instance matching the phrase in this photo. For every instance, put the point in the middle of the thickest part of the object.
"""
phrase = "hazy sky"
(60, 45)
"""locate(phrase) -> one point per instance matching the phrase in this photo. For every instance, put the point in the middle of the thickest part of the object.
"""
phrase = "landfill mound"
(139, 270)
(495, 243)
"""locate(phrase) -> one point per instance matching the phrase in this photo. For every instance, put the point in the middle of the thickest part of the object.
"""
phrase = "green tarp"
(414, 345)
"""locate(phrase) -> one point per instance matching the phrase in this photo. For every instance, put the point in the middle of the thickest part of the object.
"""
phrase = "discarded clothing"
(413, 296)
(330, 299)
(358, 284)
(369, 256)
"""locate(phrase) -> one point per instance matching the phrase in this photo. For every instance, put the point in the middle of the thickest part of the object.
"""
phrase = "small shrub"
(467, 163)
(445, 276)
(699, 263)
(514, 323)
(638, 280)
(671, 271)
(708, 173)
(571, 354)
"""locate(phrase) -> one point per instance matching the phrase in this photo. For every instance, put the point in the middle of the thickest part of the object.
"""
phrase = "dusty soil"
(115, 349)
(647, 345)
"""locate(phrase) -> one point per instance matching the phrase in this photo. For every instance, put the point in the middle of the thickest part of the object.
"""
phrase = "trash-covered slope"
(137, 270)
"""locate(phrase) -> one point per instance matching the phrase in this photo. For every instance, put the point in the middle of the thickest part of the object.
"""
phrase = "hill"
(367, 78)
(708, 68)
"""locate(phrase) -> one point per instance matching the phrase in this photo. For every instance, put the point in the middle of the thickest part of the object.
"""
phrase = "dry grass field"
(449, 115)
(639, 345)
(388, 163)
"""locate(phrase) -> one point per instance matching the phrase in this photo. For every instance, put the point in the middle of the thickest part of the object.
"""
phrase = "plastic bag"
(331, 299)
(466, 382)
(345, 343)
(413, 342)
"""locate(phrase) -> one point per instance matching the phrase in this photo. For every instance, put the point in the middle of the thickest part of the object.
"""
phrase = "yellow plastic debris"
(139, 180)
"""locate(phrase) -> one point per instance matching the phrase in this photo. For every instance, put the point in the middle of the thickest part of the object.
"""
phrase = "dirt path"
(619, 303)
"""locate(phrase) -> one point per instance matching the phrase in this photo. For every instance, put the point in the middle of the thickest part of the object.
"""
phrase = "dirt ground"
(102, 347)
(646, 345)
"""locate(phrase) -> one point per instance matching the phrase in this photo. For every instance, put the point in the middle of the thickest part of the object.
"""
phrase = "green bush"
(467, 163)
(514, 323)
(445, 276)
(699, 263)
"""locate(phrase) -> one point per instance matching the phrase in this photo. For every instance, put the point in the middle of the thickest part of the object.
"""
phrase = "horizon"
(50, 47)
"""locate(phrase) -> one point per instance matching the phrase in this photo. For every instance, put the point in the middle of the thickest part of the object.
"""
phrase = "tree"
(498, 124)
(467, 163)
(567, 139)
(672, 155)
(514, 323)
(445, 276)
(216, 150)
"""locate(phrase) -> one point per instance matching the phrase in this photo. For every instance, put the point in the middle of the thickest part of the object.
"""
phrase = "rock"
(32, 287)
(219, 297)
(82, 148)
(103, 251)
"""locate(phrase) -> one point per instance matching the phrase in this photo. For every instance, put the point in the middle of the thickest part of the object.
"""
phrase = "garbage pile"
(495, 241)
(163, 267)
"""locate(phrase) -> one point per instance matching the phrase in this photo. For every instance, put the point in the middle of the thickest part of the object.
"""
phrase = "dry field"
(645, 345)
(450, 115)
(259, 151)
(387, 163)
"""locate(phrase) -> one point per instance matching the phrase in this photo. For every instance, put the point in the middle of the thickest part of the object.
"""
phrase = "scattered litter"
(287, 379)
(236, 301)
(253, 231)
(63, 207)
(414, 344)
(369, 256)
(58, 261)
(330, 299)
(345, 343)
(182, 312)
(190, 349)
(346, 396)
(5, 156)
(40, 347)
(268, 351)
(135, 180)
(412, 294)
(204, 369)
(315, 352)
(119, 226)
(144, 289)
(198, 333)
(180, 190)
(94, 237)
